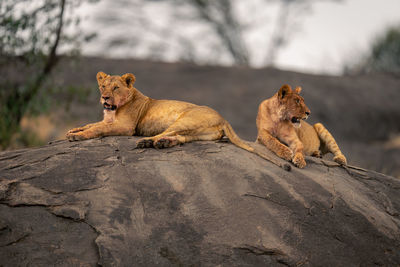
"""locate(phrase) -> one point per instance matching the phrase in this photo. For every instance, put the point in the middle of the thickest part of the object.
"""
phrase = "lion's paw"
(165, 142)
(316, 154)
(75, 136)
(341, 159)
(299, 161)
(286, 154)
(75, 130)
(144, 143)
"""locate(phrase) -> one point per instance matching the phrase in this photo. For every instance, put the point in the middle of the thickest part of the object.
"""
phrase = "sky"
(329, 36)
(336, 34)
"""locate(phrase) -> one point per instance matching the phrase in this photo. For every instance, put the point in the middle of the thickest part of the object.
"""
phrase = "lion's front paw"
(75, 130)
(144, 143)
(341, 159)
(286, 154)
(299, 161)
(75, 136)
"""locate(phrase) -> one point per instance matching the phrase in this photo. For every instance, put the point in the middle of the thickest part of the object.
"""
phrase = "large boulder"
(102, 201)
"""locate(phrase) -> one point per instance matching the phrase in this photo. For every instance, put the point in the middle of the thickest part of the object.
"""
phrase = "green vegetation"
(31, 33)
(384, 54)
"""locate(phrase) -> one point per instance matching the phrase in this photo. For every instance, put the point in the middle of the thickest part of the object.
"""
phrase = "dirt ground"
(362, 112)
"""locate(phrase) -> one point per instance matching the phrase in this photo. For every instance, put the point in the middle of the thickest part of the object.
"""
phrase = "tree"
(220, 16)
(384, 54)
(219, 25)
(31, 33)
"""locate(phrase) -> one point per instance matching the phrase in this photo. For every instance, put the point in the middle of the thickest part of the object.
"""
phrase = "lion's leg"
(330, 143)
(199, 123)
(100, 129)
(148, 142)
(179, 133)
(273, 144)
(290, 137)
(80, 129)
(202, 134)
(173, 130)
(297, 147)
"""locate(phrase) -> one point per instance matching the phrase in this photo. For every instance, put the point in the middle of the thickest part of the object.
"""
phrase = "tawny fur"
(165, 123)
(282, 129)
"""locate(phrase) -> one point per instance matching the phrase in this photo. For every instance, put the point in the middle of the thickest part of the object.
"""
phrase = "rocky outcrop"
(104, 202)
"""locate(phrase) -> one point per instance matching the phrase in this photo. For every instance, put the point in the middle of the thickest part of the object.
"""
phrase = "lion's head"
(292, 105)
(116, 90)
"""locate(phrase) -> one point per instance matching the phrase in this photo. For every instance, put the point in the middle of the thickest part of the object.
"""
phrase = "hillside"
(102, 201)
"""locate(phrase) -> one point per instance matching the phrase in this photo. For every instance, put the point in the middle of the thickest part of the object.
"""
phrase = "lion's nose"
(105, 97)
(307, 113)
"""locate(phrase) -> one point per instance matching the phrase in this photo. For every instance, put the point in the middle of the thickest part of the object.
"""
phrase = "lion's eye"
(297, 101)
(115, 88)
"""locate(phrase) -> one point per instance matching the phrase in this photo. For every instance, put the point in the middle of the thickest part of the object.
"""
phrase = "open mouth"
(295, 120)
(109, 107)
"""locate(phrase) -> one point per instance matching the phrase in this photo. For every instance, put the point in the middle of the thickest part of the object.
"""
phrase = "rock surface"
(104, 202)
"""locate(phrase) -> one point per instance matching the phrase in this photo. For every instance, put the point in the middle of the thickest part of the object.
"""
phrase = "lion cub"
(281, 130)
(166, 122)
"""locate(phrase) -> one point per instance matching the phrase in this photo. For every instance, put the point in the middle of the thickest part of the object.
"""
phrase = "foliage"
(383, 56)
(31, 33)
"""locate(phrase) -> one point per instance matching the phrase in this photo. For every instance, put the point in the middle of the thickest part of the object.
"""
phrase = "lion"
(282, 129)
(163, 123)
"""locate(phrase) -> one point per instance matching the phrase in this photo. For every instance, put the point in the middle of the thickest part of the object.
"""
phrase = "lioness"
(166, 123)
(279, 124)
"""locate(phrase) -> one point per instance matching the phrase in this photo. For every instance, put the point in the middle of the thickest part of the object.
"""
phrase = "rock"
(102, 201)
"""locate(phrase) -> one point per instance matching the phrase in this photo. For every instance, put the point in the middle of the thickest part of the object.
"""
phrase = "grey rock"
(103, 202)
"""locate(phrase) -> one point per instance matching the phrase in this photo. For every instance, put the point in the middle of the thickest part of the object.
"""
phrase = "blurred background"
(227, 54)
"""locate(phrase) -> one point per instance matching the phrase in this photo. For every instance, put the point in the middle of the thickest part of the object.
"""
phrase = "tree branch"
(51, 59)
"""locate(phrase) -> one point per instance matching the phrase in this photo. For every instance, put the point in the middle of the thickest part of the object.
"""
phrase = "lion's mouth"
(109, 107)
(295, 120)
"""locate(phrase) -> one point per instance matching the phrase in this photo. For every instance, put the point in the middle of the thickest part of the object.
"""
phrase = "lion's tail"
(235, 139)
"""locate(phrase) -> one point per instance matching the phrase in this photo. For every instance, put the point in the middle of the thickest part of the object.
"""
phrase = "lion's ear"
(297, 90)
(100, 77)
(129, 79)
(284, 91)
